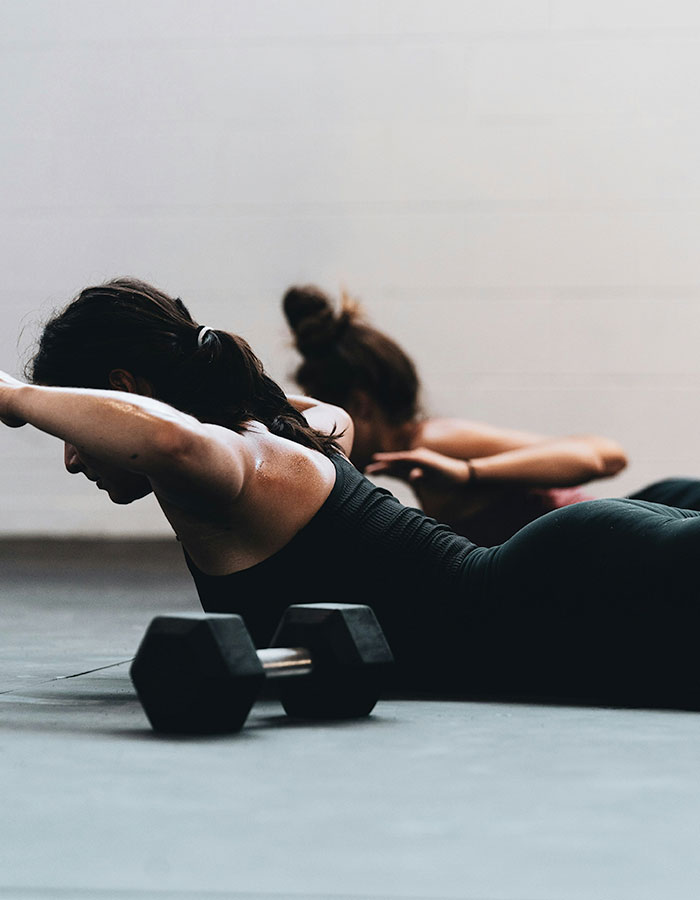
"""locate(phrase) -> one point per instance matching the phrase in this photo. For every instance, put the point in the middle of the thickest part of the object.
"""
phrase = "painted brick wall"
(513, 189)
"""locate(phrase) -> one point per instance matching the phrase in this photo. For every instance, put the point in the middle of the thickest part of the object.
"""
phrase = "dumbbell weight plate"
(197, 673)
(350, 657)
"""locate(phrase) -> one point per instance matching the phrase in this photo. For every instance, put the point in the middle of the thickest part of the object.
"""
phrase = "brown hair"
(128, 324)
(342, 353)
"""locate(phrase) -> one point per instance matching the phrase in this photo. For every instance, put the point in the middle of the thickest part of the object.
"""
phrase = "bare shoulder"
(464, 438)
(282, 485)
(280, 469)
(256, 458)
(287, 486)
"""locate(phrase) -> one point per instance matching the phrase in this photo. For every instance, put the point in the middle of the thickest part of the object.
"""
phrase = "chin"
(121, 499)
(124, 499)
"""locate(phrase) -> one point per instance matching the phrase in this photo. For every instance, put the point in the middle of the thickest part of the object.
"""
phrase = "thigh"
(612, 552)
(597, 600)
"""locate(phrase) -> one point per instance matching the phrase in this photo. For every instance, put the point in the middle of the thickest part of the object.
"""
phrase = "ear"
(121, 380)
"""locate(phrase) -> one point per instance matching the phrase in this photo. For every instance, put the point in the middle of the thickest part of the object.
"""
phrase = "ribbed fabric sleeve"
(373, 520)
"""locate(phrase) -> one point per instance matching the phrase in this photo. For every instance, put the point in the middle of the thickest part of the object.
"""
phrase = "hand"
(7, 387)
(421, 466)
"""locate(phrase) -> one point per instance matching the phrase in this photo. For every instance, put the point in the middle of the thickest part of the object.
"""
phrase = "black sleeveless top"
(362, 546)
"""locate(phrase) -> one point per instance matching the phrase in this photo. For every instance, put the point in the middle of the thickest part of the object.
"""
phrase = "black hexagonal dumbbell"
(349, 659)
(200, 673)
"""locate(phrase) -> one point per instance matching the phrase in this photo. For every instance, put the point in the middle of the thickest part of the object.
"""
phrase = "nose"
(71, 459)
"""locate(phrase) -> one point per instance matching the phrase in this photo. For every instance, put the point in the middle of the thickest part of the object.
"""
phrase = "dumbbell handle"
(281, 662)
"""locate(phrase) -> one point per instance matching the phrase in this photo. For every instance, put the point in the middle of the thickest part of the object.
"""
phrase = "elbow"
(614, 458)
(614, 464)
(607, 457)
(327, 418)
(347, 438)
(344, 421)
(344, 429)
(604, 467)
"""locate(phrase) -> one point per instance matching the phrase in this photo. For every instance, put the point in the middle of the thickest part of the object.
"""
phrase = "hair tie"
(202, 331)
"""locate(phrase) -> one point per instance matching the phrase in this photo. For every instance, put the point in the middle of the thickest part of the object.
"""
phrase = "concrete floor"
(428, 798)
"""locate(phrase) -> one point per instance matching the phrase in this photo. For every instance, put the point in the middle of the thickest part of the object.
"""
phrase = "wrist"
(11, 403)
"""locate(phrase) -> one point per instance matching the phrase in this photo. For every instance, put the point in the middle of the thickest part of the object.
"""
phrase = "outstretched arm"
(180, 455)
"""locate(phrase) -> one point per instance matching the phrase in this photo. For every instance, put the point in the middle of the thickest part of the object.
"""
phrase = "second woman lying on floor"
(485, 481)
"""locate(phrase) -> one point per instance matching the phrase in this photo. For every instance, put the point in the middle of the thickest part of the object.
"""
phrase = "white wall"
(513, 188)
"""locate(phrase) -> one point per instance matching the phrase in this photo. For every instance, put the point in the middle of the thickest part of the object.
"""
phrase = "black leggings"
(598, 600)
(681, 492)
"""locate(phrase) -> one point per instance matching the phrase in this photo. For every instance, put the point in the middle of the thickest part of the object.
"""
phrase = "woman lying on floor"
(594, 600)
(485, 482)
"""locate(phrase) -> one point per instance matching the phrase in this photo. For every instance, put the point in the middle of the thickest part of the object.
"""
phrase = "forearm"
(560, 463)
(127, 430)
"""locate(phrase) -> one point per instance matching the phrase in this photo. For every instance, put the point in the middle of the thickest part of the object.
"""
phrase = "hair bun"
(311, 317)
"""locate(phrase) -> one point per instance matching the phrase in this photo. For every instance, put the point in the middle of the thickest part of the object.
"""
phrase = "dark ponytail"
(342, 353)
(211, 374)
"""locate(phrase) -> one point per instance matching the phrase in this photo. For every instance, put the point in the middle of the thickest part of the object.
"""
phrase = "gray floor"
(426, 799)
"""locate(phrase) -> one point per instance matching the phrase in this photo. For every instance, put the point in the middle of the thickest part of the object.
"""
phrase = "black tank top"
(362, 546)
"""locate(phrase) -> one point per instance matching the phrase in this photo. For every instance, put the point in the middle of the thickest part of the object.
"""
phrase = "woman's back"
(362, 546)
